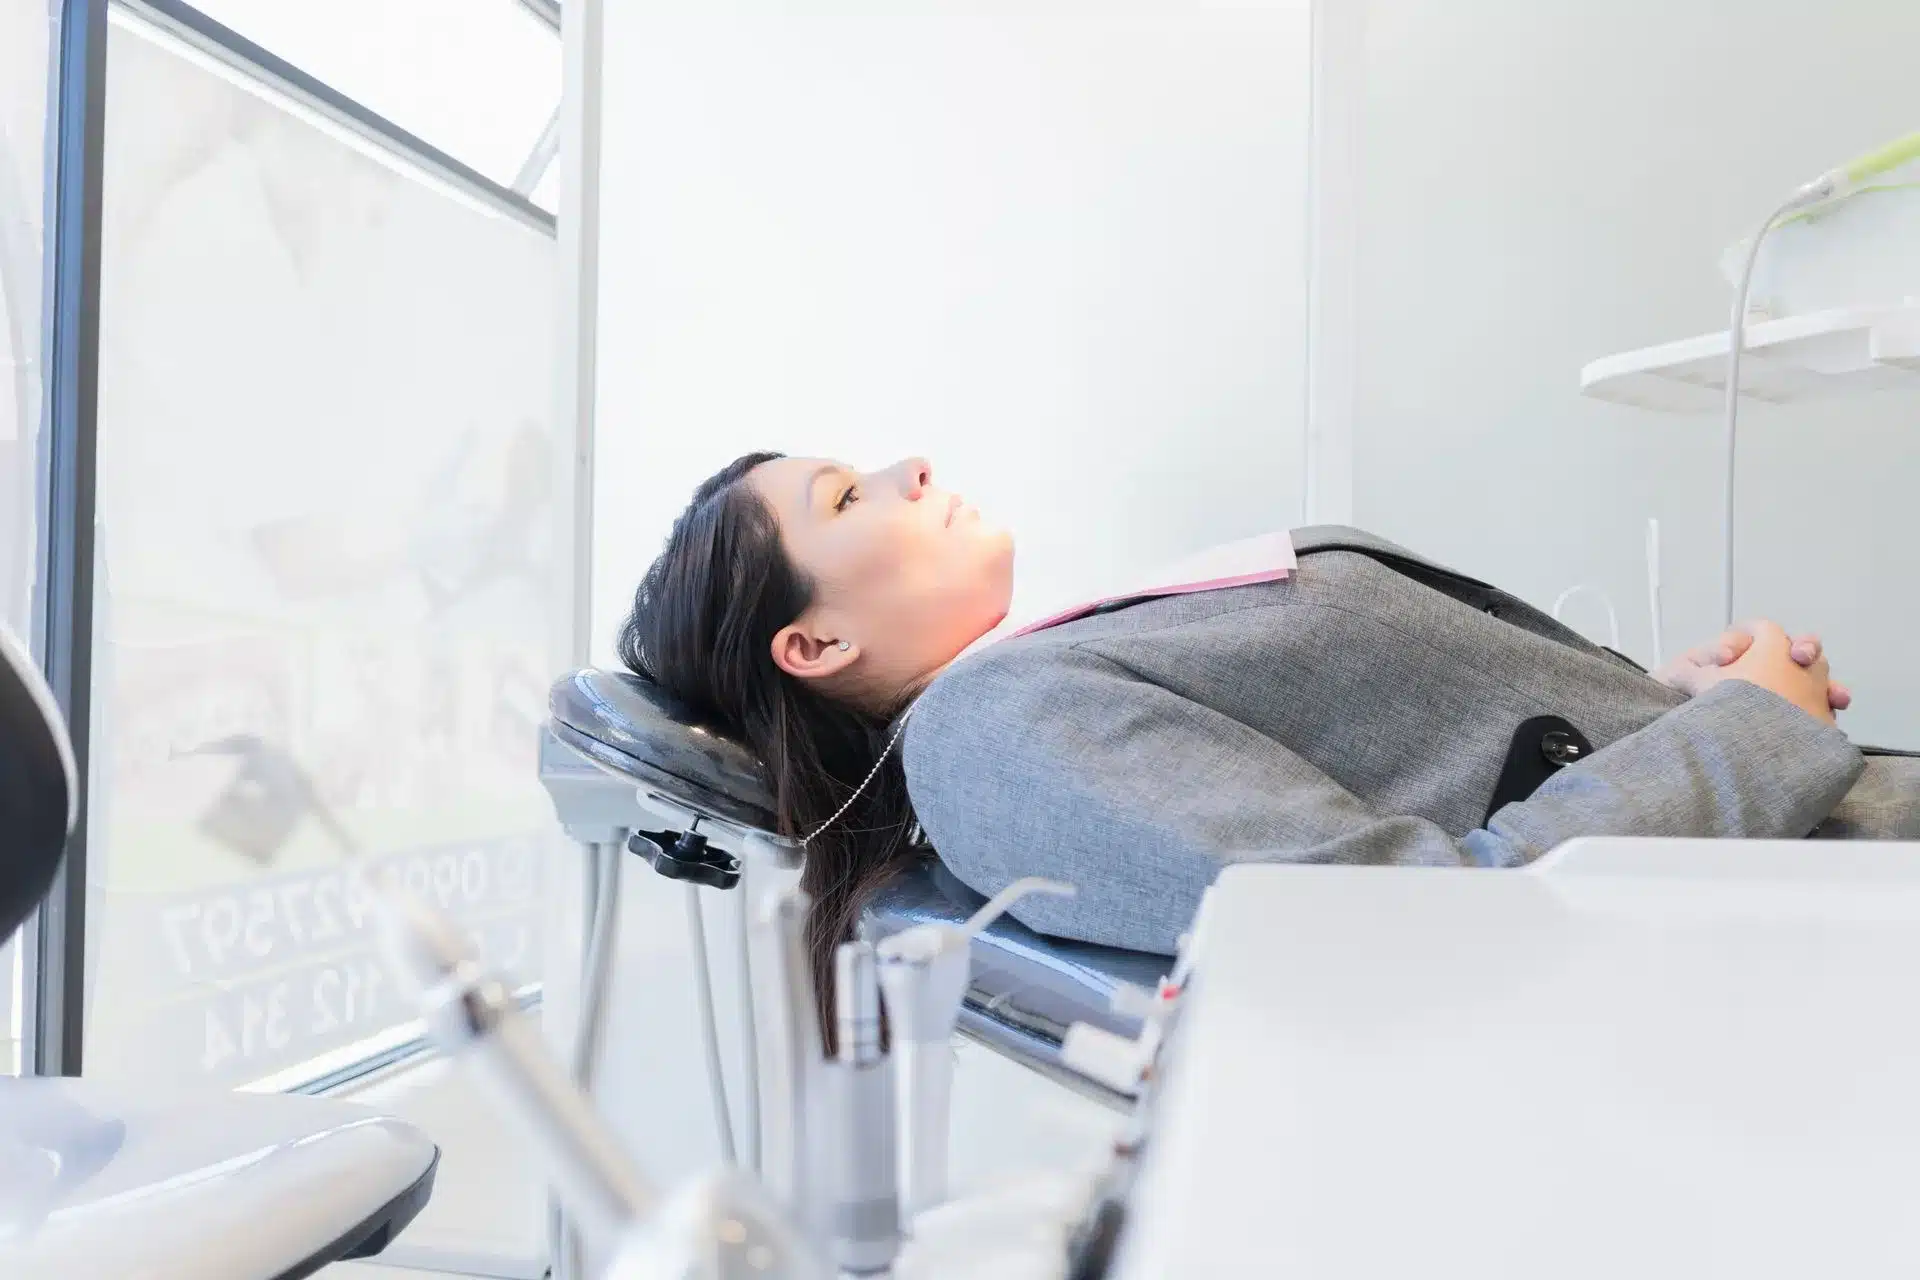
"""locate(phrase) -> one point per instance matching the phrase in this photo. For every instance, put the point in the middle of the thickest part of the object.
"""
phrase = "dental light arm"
(1857, 172)
(715, 1227)
(472, 1013)
(1833, 185)
(923, 978)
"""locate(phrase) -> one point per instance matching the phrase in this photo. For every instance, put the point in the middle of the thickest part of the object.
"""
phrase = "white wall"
(1057, 247)
(1544, 184)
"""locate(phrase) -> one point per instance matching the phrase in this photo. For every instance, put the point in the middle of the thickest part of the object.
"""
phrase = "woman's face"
(904, 573)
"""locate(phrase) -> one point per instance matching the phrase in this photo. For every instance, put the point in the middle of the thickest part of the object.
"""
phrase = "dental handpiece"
(792, 1062)
(923, 975)
(923, 1072)
(865, 1219)
(471, 1013)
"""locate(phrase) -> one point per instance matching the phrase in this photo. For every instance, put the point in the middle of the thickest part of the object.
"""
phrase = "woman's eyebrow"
(806, 495)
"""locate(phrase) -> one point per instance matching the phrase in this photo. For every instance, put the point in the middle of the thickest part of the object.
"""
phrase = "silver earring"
(845, 645)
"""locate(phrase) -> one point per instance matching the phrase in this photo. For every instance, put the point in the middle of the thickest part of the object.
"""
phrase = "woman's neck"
(905, 692)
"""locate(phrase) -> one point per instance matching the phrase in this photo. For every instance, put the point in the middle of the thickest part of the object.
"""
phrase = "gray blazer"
(1359, 712)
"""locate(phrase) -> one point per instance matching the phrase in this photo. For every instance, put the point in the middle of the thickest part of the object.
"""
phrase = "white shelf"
(1845, 351)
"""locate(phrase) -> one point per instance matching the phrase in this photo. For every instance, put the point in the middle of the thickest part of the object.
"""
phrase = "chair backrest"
(39, 787)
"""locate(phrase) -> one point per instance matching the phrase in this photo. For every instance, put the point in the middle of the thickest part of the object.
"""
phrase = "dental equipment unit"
(727, 1224)
(866, 1184)
(923, 973)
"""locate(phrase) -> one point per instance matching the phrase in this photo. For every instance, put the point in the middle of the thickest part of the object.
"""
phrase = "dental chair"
(100, 1180)
(619, 753)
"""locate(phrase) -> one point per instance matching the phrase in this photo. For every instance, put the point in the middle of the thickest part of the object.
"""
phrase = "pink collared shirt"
(1266, 558)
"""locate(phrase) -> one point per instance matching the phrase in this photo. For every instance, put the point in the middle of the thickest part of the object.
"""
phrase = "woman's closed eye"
(848, 498)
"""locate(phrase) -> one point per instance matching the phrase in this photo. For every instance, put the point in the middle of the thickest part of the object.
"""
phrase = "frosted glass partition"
(329, 590)
(26, 55)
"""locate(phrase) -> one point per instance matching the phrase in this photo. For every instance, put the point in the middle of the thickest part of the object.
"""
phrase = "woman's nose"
(916, 475)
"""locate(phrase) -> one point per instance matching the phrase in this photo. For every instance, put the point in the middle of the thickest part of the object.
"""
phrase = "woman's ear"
(806, 656)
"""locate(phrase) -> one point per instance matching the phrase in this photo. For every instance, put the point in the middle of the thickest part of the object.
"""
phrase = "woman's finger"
(1806, 649)
(1756, 629)
(1733, 643)
(1839, 697)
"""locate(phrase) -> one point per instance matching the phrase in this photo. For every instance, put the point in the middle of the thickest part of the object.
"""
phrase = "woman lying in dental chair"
(1366, 707)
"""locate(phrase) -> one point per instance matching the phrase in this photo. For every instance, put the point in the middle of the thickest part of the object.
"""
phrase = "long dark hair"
(702, 627)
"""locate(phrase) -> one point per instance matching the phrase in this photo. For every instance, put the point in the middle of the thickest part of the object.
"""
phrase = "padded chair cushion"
(1025, 988)
(630, 726)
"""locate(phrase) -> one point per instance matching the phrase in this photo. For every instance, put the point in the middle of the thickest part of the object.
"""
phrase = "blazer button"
(1559, 747)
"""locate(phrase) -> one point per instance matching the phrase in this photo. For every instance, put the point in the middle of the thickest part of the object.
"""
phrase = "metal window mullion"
(186, 23)
(63, 599)
(581, 30)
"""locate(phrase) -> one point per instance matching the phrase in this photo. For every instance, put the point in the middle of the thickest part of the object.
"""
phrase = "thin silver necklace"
(898, 728)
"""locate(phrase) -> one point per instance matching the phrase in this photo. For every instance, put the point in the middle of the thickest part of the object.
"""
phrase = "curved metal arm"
(998, 904)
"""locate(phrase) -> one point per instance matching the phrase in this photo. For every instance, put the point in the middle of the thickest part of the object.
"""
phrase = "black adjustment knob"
(1559, 747)
(686, 855)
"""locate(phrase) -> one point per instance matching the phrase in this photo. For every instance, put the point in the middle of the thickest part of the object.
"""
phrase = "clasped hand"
(1762, 653)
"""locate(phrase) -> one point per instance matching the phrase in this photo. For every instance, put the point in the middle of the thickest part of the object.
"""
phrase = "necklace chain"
(885, 751)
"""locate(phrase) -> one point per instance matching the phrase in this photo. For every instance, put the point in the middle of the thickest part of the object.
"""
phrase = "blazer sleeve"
(1066, 764)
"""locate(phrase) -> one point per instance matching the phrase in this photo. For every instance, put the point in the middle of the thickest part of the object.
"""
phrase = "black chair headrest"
(39, 787)
(630, 726)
